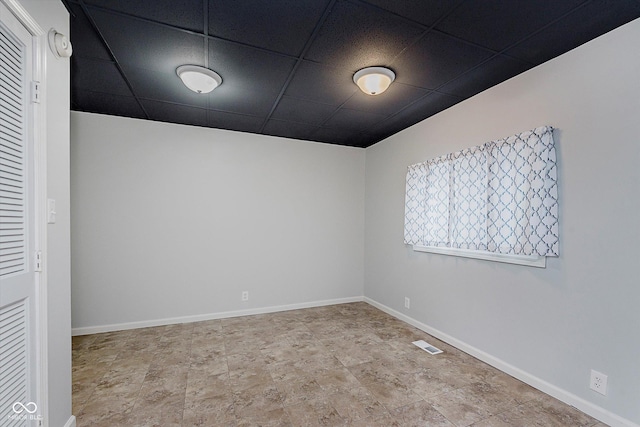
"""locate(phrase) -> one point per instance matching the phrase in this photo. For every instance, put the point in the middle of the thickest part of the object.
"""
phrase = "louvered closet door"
(17, 278)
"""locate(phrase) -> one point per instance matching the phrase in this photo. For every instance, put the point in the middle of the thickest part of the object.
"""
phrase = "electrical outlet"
(598, 382)
(407, 303)
(245, 295)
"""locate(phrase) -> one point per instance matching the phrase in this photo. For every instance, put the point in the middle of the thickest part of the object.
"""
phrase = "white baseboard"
(569, 398)
(71, 422)
(211, 316)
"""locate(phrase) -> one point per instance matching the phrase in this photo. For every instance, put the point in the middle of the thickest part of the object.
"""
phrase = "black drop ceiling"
(287, 65)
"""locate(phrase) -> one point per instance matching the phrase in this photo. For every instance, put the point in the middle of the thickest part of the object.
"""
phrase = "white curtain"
(498, 197)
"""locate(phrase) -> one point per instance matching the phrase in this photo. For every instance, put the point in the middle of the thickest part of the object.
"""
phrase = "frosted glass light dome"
(374, 80)
(199, 79)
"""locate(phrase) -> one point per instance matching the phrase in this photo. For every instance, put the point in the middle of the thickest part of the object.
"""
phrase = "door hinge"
(35, 92)
(38, 263)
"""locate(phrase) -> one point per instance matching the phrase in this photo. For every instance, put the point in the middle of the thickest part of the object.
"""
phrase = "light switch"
(51, 211)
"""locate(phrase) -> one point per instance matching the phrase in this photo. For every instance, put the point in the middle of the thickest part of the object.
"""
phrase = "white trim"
(71, 422)
(38, 125)
(211, 316)
(23, 16)
(40, 188)
(563, 395)
(531, 261)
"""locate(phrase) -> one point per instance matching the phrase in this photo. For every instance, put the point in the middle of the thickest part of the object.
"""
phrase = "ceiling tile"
(92, 45)
(231, 121)
(353, 120)
(98, 76)
(289, 129)
(377, 38)
(362, 140)
(146, 45)
(282, 26)
(322, 84)
(592, 20)
(414, 113)
(103, 103)
(246, 66)
(430, 105)
(435, 60)
(162, 86)
(181, 13)
(394, 99)
(497, 24)
(335, 136)
(251, 78)
(242, 100)
(494, 71)
(299, 110)
(343, 137)
(173, 113)
(426, 12)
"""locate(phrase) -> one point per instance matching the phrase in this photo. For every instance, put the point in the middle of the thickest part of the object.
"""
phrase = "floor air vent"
(427, 347)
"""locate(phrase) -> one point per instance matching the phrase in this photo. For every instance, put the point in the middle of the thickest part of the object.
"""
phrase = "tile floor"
(341, 365)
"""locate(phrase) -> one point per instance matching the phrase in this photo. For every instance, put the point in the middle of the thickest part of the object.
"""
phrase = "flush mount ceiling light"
(199, 79)
(374, 80)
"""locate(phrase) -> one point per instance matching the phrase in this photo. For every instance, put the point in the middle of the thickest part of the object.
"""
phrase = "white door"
(18, 369)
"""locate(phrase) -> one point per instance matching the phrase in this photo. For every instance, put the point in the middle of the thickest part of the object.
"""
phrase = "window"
(499, 198)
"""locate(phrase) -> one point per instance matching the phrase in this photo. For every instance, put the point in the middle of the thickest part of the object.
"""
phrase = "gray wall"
(582, 311)
(174, 221)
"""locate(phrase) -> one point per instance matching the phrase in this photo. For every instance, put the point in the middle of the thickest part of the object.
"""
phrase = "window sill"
(529, 260)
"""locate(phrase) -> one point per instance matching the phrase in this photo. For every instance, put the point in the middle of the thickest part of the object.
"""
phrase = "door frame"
(39, 163)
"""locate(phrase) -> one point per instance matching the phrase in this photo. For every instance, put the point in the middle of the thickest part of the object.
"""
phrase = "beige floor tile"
(250, 403)
(245, 360)
(558, 413)
(470, 404)
(281, 354)
(210, 365)
(497, 421)
(356, 403)
(385, 420)
(348, 364)
(419, 414)
(314, 413)
(157, 413)
(372, 372)
(100, 408)
(520, 391)
(105, 419)
(392, 394)
(337, 380)
(456, 408)
(202, 385)
(427, 383)
(298, 389)
(210, 411)
(274, 418)
(250, 379)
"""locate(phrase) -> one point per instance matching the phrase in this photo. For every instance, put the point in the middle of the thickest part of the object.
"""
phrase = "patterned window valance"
(498, 197)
